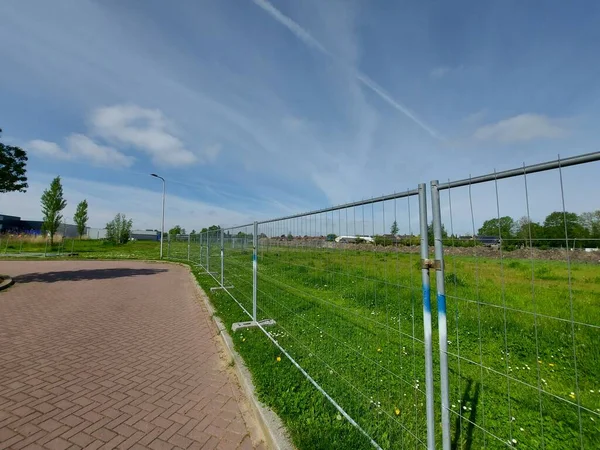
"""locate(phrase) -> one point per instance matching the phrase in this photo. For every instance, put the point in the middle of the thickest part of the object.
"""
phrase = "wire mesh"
(237, 264)
(523, 322)
(345, 294)
(179, 244)
(517, 317)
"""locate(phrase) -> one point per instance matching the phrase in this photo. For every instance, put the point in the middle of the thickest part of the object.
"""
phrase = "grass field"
(11, 247)
(523, 337)
(353, 320)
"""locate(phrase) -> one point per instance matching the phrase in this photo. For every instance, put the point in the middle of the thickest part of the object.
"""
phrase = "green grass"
(84, 248)
(354, 321)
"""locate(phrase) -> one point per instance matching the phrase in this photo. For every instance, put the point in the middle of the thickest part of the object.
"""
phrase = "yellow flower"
(278, 358)
(397, 411)
(572, 395)
(244, 340)
(379, 349)
(551, 364)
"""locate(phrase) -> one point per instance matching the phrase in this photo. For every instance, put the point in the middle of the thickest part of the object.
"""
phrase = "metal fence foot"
(240, 325)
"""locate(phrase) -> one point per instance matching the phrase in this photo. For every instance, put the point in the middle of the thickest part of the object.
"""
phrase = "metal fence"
(15, 245)
(508, 358)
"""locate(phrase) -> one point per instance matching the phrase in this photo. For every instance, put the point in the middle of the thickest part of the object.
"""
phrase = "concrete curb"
(273, 430)
(6, 282)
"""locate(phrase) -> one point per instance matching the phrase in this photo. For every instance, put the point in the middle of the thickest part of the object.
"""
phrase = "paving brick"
(58, 444)
(103, 434)
(130, 441)
(50, 425)
(129, 362)
(180, 441)
(26, 429)
(6, 433)
(22, 411)
(158, 444)
(82, 439)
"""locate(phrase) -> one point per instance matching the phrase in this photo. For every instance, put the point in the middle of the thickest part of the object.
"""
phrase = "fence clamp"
(431, 264)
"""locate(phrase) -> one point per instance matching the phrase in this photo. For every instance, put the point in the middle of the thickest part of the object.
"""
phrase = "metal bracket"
(431, 264)
(240, 325)
(220, 287)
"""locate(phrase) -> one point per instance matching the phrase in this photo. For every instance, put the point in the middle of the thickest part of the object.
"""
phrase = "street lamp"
(162, 226)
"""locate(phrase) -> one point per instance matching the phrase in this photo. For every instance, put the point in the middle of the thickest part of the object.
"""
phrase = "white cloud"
(146, 130)
(521, 128)
(107, 199)
(47, 149)
(81, 148)
(212, 152)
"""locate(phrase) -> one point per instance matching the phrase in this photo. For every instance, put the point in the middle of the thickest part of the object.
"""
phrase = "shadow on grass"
(84, 275)
(467, 399)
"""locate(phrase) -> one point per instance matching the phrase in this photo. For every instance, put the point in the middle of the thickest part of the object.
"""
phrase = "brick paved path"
(113, 355)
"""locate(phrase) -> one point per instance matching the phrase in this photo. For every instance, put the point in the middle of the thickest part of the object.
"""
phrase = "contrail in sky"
(309, 40)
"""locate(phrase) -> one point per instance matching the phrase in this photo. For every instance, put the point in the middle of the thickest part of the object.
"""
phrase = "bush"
(118, 230)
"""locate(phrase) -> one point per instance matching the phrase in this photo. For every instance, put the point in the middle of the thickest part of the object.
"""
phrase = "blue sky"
(255, 109)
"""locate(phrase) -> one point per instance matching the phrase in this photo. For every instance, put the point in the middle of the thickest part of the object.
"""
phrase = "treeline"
(559, 229)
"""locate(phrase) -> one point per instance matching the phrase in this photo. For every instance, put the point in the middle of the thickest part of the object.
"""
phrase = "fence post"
(441, 306)
(222, 257)
(73, 246)
(189, 242)
(169, 246)
(7, 241)
(254, 269)
(208, 251)
(200, 245)
(425, 263)
(46, 248)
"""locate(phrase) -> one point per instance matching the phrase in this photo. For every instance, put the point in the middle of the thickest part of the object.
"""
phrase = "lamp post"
(162, 225)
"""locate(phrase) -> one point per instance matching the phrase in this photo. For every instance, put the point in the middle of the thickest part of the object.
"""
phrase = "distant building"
(96, 233)
(145, 235)
(15, 225)
(488, 240)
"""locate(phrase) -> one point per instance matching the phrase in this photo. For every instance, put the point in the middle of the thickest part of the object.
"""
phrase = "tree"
(554, 228)
(430, 233)
(290, 236)
(502, 228)
(13, 162)
(81, 217)
(331, 237)
(394, 229)
(176, 230)
(528, 231)
(53, 203)
(591, 222)
(193, 232)
(118, 230)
